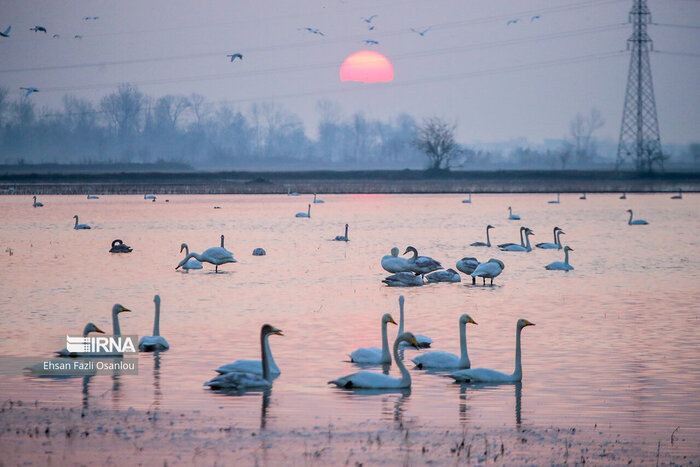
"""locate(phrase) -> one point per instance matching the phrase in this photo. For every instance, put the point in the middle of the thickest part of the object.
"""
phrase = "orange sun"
(367, 66)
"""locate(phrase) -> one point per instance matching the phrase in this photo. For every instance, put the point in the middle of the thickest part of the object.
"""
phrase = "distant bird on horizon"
(77, 36)
(371, 42)
(512, 21)
(235, 56)
(311, 30)
(421, 33)
(369, 20)
(7, 32)
(88, 18)
(534, 18)
(56, 36)
(38, 28)
(29, 90)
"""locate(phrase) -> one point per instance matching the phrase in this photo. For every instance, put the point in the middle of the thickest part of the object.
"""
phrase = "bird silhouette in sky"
(38, 29)
(56, 36)
(371, 42)
(421, 33)
(7, 32)
(88, 18)
(512, 21)
(534, 18)
(77, 36)
(29, 91)
(371, 27)
(235, 56)
(312, 31)
(369, 20)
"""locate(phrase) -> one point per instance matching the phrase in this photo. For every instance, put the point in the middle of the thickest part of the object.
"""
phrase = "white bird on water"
(80, 226)
(561, 265)
(304, 214)
(89, 196)
(489, 270)
(289, 192)
(486, 375)
(554, 201)
(37, 204)
(394, 263)
(446, 360)
(89, 327)
(637, 221)
(679, 195)
(156, 342)
(403, 279)
(245, 379)
(623, 195)
(371, 380)
(145, 196)
(469, 200)
(522, 242)
(527, 248)
(468, 265)
(215, 255)
(511, 216)
(448, 275)
(255, 366)
(421, 264)
(423, 341)
(375, 355)
(191, 263)
(318, 201)
(557, 242)
(488, 240)
(344, 238)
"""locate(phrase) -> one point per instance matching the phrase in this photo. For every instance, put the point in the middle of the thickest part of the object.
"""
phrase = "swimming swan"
(37, 204)
(422, 264)
(254, 366)
(145, 196)
(393, 263)
(318, 201)
(488, 240)
(403, 279)
(490, 269)
(304, 214)
(89, 196)
(559, 265)
(447, 360)
(423, 341)
(511, 216)
(215, 255)
(468, 200)
(486, 375)
(247, 380)
(119, 247)
(449, 275)
(679, 195)
(623, 196)
(522, 242)
(553, 201)
(156, 341)
(583, 196)
(468, 265)
(374, 354)
(370, 380)
(89, 327)
(191, 263)
(527, 248)
(635, 222)
(80, 226)
(344, 238)
(557, 242)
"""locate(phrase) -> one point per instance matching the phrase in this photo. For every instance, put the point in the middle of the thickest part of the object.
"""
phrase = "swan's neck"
(386, 356)
(187, 250)
(415, 255)
(522, 242)
(566, 257)
(314, 196)
(346, 231)
(156, 321)
(527, 239)
(405, 375)
(85, 331)
(308, 211)
(488, 239)
(115, 324)
(630, 221)
(76, 221)
(555, 237)
(518, 373)
(268, 352)
(464, 357)
(263, 352)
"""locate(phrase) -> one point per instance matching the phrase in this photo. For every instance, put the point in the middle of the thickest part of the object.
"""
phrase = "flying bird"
(512, 21)
(371, 42)
(369, 20)
(312, 31)
(88, 18)
(7, 32)
(421, 33)
(29, 91)
(371, 28)
(56, 36)
(77, 36)
(38, 28)
(534, 18)
(235, 56)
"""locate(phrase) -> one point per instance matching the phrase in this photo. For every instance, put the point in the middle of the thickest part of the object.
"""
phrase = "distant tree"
(581, 130)
(122, 109)
(694, 152)
(564, 153)
(167, 111)
(651, 155)
(436, 139)
(200, 108)
(23, 112)
(4, 104)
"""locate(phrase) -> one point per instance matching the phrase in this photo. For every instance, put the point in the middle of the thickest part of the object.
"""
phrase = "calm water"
(616, 340)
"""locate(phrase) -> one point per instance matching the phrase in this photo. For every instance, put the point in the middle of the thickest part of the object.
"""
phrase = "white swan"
(116, 309)
(583, 196)
(304, 214)
(370, 380)
(526, 248)
(344, 238)
(623, 196)
(403, 279)
(291, 194)
(89, 327)
(679, 195)
(522, 242)
(215, 255)
(80, 226)
(394, 263)
(37, 204)
(554, 201)
(254, 366)
(511, 216)
(490, 269)
(318, 201)
(486, 375)
(423, 341)
(421, 264)
(449, 275)
(557, 242)
(247, 380)
(89, 196)
(374, 354)
(156, 341)
(191, 263)
(145, 196)
(635, 222)
(559, 265)
(488, 239)
(468, 265)
(468, 200)
(447, 360)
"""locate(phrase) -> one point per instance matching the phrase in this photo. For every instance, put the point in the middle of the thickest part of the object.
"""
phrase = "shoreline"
(351, 182)
(67, 436)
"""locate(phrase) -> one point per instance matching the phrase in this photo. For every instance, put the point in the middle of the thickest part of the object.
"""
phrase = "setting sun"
(367, 66)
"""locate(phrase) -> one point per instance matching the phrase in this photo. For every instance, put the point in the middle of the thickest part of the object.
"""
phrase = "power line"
(680, 54)
(669, 25)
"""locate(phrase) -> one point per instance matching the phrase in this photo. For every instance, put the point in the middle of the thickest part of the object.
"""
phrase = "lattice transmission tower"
(639, 135)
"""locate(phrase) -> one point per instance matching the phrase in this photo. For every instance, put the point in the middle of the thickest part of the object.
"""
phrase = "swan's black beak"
(99, 330)
(391, 320)
(414, 344)
(278, 332)
(124, 309)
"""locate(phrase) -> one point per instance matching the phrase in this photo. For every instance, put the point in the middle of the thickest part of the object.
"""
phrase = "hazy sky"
(499, 81)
